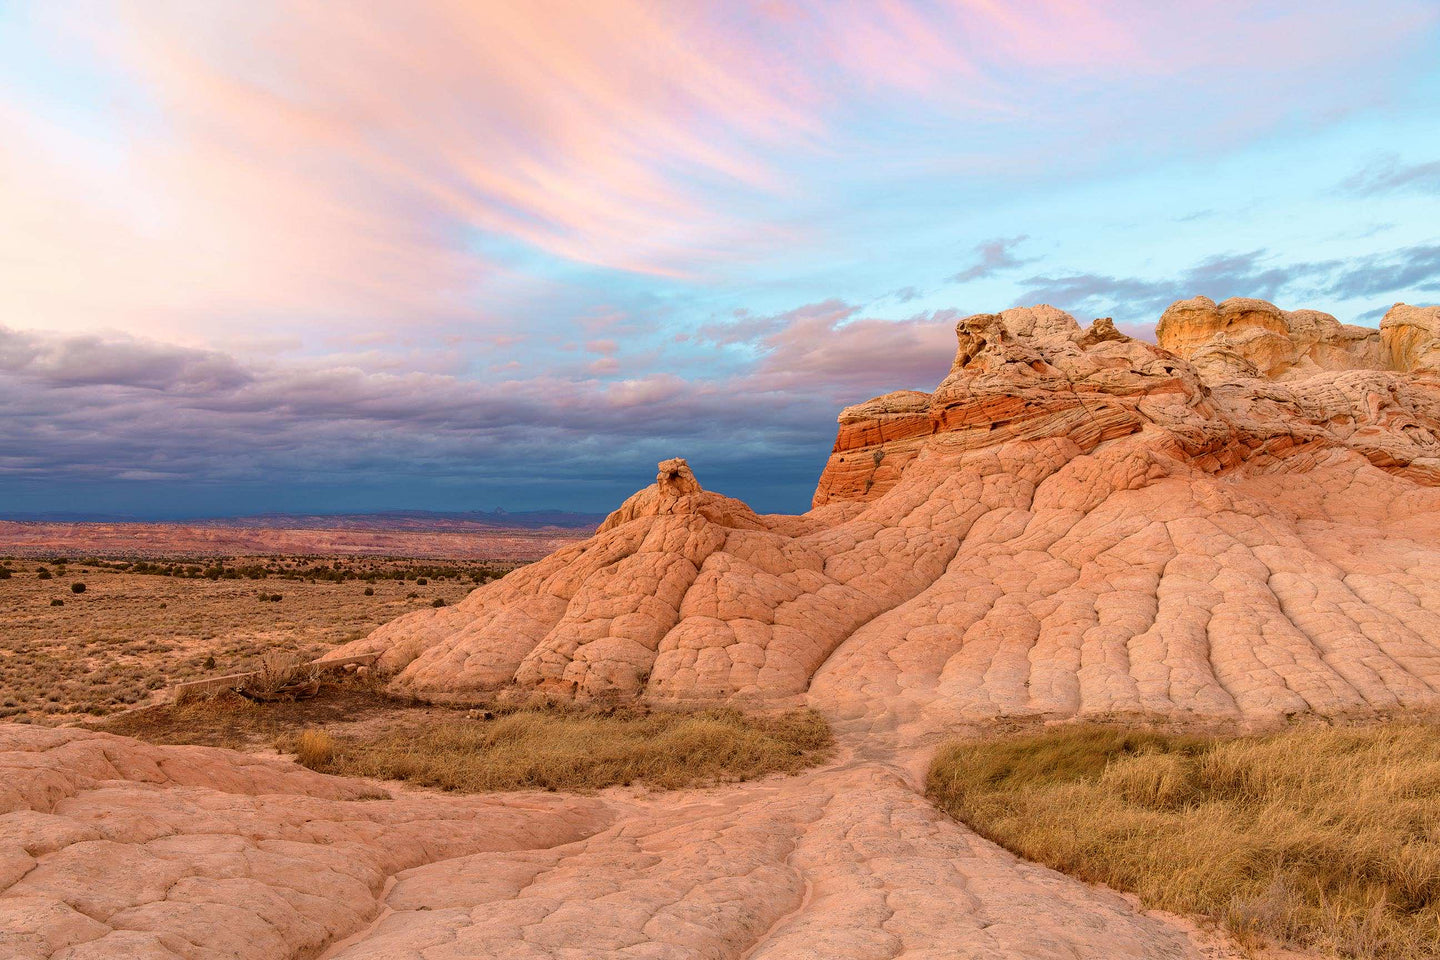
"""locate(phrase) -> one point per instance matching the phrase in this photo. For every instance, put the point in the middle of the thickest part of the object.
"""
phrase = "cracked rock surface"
(1242, 522)
(118, 849)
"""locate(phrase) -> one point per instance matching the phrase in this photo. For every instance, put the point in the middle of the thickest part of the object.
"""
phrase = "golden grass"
(1316, 837)
(314, 748)
(575, 749)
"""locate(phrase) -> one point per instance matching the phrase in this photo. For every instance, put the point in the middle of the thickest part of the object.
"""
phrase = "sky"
(315, 257)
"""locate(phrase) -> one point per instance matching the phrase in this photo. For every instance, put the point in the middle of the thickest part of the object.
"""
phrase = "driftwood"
(238, 681)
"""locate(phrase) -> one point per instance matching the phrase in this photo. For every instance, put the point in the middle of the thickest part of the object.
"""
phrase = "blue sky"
(303, 257)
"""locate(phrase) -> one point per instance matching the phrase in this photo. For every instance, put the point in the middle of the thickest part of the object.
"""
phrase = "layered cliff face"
(1243, 520)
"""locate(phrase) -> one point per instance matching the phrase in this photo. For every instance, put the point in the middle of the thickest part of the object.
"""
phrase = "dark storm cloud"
(121, 409)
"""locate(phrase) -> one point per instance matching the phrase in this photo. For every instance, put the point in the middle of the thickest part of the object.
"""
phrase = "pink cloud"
(332, 161)
(825, 349)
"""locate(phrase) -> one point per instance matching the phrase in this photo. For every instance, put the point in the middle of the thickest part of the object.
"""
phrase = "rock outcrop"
(1410, 338)
(1237, 522)
(111, 848)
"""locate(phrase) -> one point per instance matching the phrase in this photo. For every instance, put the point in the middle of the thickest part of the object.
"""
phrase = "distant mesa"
(418, 520)
(417, 534)
(377, 520)
(1243, 521)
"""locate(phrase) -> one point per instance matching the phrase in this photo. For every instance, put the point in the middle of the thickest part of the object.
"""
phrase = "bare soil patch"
(230, 720)
(1316, 837)
(334, 536)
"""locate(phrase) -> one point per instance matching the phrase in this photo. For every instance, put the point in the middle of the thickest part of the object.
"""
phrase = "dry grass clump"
(573, 749)
(1324, 838)
(314, 748)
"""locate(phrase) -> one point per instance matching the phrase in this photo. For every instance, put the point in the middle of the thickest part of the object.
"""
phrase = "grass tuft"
(314, 748)
(1314, 837)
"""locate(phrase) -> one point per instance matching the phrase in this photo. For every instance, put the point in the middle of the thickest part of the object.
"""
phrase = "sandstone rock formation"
(1411, 339)
(1241, 521)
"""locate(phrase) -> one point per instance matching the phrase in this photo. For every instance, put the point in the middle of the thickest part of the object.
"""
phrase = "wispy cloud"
(388, 162)
(502, 240)
(992, 257)
(1140, 301)
(1389, 175)
(1413, 268)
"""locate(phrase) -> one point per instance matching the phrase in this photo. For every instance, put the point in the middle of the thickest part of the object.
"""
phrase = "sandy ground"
(128, 637)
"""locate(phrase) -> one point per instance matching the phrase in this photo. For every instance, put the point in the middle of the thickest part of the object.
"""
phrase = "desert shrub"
(277, 671)
(4, 573)
(412, 596)
(421, 581)
(369, 591)
(77, 587)
(276, 598)
(42, 574)
(438, 602)
(1321, 838)
(57, 602)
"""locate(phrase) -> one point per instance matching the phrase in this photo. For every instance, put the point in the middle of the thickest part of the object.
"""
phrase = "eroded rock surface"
(115, 849)
(111, 848)
(1236, 522)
